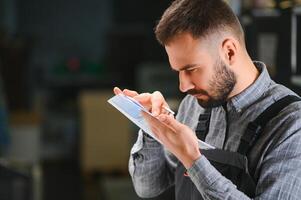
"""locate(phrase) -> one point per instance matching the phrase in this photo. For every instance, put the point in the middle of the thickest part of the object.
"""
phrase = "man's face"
(201, 74)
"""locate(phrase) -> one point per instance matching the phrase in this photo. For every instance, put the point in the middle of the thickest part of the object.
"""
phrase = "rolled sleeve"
(148, 167)
(211, 183)
(208, 174)
(144, 141)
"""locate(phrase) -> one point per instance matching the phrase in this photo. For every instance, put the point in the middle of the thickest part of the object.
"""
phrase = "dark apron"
(232, 165)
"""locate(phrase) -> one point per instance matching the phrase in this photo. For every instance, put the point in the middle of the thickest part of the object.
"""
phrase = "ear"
(230, 50)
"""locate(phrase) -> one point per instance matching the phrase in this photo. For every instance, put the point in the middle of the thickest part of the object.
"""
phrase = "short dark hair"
(199, 18)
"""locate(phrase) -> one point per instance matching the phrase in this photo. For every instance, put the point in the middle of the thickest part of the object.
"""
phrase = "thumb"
(170, 121)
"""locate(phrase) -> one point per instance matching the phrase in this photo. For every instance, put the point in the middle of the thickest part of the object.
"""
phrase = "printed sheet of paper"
(132, 109)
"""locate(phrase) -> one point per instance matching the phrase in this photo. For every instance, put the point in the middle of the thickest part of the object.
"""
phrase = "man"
(205, 44)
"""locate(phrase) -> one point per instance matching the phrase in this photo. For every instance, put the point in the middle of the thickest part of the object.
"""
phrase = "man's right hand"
(154, 102)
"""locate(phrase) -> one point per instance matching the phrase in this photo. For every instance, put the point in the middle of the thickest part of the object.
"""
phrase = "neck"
(246, 74)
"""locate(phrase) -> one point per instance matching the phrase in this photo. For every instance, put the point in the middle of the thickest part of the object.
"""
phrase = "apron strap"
(255, 127)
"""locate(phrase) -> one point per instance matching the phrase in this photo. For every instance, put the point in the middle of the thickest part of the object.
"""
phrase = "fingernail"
(155, 113)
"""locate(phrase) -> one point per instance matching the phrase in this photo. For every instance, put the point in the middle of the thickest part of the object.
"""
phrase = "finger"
(144, 99)
(154, 123)
(157, 100)
(159, 129)
(117, 91)
(130, 93)
(171, 122)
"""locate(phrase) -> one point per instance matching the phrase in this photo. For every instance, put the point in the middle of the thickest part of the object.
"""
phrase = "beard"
(220, 86)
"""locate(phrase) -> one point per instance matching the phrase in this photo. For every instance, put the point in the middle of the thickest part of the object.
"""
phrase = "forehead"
(185, 50)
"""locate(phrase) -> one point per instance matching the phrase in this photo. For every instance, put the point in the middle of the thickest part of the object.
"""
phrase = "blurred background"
(60, 59)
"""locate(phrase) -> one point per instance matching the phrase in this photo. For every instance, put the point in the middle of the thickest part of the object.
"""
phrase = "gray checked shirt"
(278, 166)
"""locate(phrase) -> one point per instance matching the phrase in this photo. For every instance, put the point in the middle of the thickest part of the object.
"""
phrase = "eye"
(191, 70)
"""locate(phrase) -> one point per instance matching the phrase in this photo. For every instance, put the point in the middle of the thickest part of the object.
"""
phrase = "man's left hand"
(178, 138)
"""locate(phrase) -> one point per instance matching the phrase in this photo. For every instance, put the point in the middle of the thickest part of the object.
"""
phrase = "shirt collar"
(253, 92)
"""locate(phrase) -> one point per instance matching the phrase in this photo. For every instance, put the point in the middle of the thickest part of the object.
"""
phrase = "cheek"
(200, 80)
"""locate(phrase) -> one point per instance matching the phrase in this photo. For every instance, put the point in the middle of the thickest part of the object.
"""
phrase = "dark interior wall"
(8, 16)
(89, 29)
(146, 11)
(116, 33)
(38, 35)
(62, 28)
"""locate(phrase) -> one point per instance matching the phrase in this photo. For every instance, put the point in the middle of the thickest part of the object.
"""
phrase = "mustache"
(196, 92)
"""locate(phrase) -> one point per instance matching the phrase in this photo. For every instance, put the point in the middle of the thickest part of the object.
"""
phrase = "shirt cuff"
(144, 141)
(202, 172)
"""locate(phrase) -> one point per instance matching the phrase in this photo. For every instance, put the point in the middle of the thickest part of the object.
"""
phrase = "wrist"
(190, 160)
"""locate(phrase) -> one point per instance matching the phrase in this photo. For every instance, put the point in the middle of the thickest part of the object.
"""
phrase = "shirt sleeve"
(212, 184)
(279, 177)
(151, 167)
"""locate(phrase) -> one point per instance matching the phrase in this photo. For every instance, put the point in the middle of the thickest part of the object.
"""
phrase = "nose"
(185, 83)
